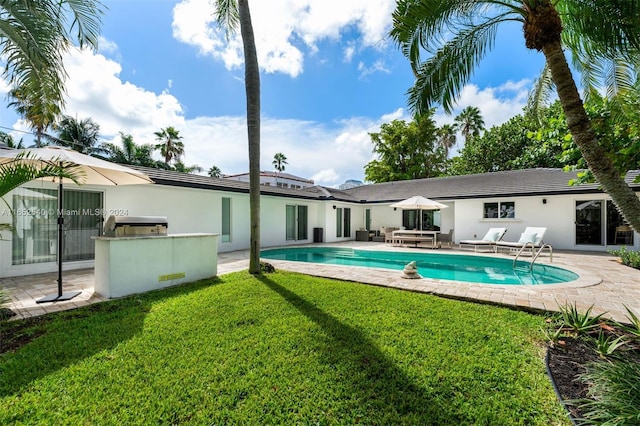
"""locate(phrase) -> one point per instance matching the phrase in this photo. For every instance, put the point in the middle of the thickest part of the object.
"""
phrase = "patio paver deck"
(604, 284)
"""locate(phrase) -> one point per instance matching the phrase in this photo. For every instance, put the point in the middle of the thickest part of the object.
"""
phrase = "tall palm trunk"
(252, 87)
(542, 30)
(596, 157)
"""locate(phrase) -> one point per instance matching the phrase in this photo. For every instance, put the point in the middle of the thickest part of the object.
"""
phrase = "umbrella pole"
(60, 296)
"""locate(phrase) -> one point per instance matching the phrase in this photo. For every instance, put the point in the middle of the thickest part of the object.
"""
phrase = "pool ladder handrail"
(535, 255)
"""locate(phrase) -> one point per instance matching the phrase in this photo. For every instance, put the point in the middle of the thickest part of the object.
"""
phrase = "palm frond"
(540, 94)
(609, 28)
(425, 24)
(86, 18)
(227, 16)
(27, 167)
(441, 77)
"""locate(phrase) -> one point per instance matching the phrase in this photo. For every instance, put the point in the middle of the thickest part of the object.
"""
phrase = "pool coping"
(585, 278)
(604, 285)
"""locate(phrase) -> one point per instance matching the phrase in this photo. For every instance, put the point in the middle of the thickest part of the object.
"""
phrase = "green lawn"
(281, 349)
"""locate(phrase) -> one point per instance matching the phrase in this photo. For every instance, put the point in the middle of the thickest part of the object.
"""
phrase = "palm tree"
(179, 166)
(215, 171)
(447, 137)
(230, 14)
(80, 135)
(38, 111)
(458, 33)
(132, 153)
(8, 140)
(170, 146)
(469, 122)
(33, 38)
(279, 161)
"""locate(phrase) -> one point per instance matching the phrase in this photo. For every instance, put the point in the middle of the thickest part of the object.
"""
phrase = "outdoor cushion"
(527, 238)
(491, 236)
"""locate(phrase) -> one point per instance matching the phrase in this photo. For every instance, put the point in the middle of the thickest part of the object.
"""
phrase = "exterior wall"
(190, 210)
(6, 267)
(557, 215)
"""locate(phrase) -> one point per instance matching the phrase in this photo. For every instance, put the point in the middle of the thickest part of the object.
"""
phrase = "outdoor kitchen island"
(126, 265)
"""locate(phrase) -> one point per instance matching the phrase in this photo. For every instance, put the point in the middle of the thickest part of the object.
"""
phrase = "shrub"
(267, 268)
(5, 313)
(614, 393)
(627, 257)
(579, 323)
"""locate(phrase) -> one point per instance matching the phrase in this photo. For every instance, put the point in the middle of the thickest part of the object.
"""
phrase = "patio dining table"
(415, 237)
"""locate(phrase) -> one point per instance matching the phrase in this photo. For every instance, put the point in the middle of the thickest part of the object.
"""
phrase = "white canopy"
(418, 202)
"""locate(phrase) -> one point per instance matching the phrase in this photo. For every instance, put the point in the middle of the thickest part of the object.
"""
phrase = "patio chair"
(487, 242)
(624, 234)
(445, 238)
(532, 236)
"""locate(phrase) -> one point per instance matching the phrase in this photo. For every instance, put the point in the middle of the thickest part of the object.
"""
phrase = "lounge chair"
(531, 237)
(487, 242)
(445, 238)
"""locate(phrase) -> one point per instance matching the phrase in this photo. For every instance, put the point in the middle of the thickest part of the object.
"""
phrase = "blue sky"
(329, 76)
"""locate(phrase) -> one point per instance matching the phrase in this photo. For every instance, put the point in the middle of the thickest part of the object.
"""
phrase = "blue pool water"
(469, 268)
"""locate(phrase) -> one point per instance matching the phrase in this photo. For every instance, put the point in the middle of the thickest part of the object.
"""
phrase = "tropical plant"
(132, 153)
(279, 161)
(613, 393)
(519, 143)
(606, 346)
(633, 328)
(446, 137)
(627, 257)
(4, 299)
(229, 15)
(469, 122)
(26, 167)
(405, 151)
(170, 146)
(459, 33)
(179, 166)
(79, 135)
(37, 111)
(8, 140)
(33, 38)
(579, 322)
(215, 171)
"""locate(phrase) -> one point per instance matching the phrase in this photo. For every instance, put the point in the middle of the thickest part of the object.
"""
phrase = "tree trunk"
(597, 159)
(252, 87)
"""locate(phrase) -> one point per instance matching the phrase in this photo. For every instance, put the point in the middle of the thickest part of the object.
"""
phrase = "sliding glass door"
(598, 222)
(35, 222)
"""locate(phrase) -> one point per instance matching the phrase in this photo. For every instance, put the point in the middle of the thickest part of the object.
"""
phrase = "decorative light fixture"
(334, 207)
(544, 201)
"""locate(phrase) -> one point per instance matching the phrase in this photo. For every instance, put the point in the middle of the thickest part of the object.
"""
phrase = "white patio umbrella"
(418, 202)
(90, 170)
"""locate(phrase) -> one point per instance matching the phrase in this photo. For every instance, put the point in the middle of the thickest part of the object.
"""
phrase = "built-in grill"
(135, 226)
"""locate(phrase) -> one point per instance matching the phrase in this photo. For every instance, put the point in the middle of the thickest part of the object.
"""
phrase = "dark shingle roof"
(507, 183)
(187, 180)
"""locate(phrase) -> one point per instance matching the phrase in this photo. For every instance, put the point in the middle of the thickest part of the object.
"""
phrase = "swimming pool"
(457, 267)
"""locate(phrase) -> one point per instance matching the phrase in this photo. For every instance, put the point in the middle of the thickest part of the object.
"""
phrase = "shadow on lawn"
(64, 338)
(383, 389)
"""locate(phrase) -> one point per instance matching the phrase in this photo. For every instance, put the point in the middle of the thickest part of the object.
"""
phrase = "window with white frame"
(499, 210)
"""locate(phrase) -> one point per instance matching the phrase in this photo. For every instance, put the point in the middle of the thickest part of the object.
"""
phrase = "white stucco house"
(576, 217)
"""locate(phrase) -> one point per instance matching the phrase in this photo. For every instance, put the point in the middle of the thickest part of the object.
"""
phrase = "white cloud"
(330, 153)
(497, 104)
(94, 89)
(377, 66)
(284, 29)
